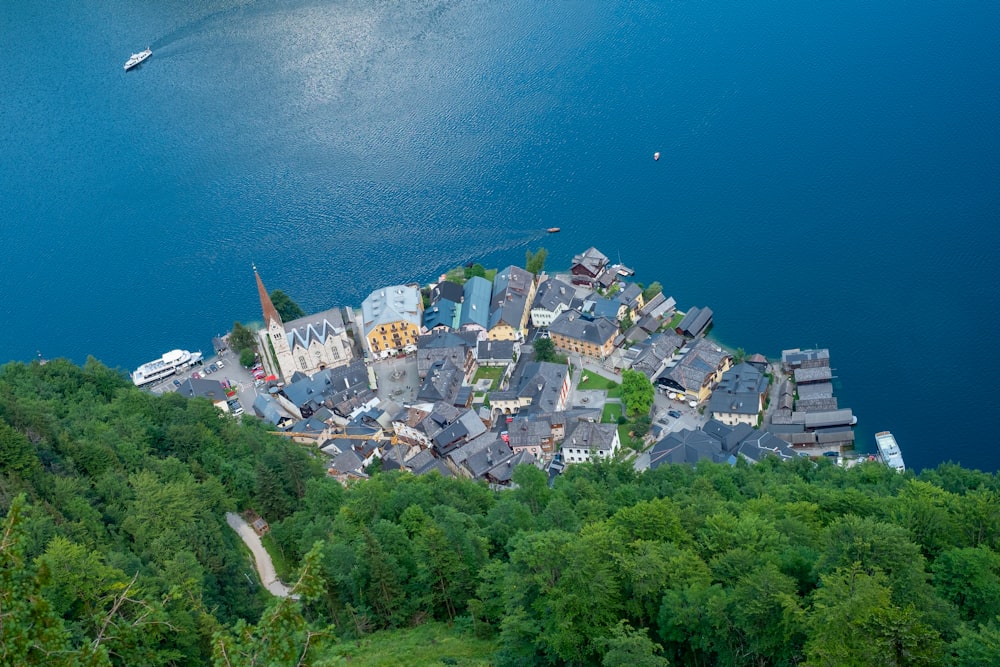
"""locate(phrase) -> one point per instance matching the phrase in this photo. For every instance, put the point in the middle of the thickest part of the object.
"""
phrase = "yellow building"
(391, 319)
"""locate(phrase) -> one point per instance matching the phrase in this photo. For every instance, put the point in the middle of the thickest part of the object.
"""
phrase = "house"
(796, 358)
(391, 319)
(475, 314)
(447, 427)
(717, 442)
(553, 297)
(267, 409)
(307, 345)
(698, 369)
(586, 441)
(443, 315)
(659, 306)
(695, 322)
(577, 333)
(651, 356)
(532, 434)
(739, 398)
(343, 389)
(501, 473)
(588, 267)
(513, 294)
(442, 383)
(458, 347)
(205, 388)
(598, 306)
(497, 352)
(541, 385)
(631, 298)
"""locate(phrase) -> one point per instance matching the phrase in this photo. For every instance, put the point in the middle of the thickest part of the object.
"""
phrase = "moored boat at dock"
(168, 364)
(889, 451)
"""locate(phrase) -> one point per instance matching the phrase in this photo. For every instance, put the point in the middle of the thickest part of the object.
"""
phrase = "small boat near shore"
(889, 451)
(136, 58)
(552, 230)
(656, 155)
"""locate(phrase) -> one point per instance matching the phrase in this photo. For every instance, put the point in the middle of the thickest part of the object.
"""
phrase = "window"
(336, 352)
(302, 363)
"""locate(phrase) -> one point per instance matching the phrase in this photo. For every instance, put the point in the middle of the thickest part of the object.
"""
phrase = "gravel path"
(265, 568)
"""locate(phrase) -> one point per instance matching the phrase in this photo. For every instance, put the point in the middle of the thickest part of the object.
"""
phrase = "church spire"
(266, 307)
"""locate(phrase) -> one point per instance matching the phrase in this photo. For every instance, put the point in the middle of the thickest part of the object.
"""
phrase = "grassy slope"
(429, 644)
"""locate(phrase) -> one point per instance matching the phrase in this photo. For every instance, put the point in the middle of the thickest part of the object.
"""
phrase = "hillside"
(115, 550)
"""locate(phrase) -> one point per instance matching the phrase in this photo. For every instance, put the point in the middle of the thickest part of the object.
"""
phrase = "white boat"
(168, 364)
(889, 451)
(656, 155)
(137, 58)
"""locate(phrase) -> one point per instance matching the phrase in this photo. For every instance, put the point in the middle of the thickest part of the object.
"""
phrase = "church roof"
(266, 307)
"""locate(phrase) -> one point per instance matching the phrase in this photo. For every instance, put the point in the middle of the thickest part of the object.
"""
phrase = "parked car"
(674, 414)
(196, 375)
(219, 363)
(213, 368)
(177, 383)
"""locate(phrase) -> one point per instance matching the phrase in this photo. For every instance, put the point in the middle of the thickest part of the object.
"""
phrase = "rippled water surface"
(828, 173)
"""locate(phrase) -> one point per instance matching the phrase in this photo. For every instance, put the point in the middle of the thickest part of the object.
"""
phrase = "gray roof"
(739, 391)
(443, 381)
(319, 326)
(266, 408)
(347, 462)
(815, 390)
(576, 327)
(331, 385)
(816, 374)
(510, 296)
(542, 382)
(495, 453)
(466, 427)
(629, 295)
(554, 293)
(442, 345)
(701, 360)
(590, 435)
(592, 260)
(502, 472)
(816, 404)
(797, 358)
(203, 388)
(695, 321)
(648, 356)
(688, 447)
(495, 350)
(447, 291)
(391, 304)
(529, 432)
(476, 306)
(648, 323)
(601, 307)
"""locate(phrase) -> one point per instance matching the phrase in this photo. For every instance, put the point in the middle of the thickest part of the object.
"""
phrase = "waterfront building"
(553, 297)
(739, 398)
(391, 319)
(581, 334)
(513, 294)
(306, 345)
(475, 315)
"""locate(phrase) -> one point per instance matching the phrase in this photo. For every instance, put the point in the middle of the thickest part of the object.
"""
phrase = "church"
(306, 345)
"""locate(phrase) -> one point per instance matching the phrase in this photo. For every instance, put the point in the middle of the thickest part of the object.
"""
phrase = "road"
(265, 568)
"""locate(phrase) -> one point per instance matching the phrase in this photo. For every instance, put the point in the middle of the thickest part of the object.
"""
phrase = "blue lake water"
(829, 173)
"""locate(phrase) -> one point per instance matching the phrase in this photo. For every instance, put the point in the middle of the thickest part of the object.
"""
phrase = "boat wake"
(199, 25)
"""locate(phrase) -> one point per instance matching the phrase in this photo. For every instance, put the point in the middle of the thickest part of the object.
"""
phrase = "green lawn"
(597, 382)
(675, 321)
(428, 644)
(488, 372)
(612, 411)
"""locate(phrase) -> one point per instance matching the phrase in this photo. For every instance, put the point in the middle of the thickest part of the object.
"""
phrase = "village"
(445, 377)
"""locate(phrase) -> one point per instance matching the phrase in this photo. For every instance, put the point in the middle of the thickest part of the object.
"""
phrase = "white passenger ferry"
(168, 364)
(889, 451)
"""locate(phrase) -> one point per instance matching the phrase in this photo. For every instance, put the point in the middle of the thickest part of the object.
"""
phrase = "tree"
(247, 357)
(637, 393)
(242, 338)
(474, 271)
(534, 262)
(629, 647)
(654, 288)
(545, 349)
(287, 309)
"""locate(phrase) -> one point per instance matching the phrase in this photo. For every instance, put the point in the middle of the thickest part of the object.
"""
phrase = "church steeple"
(267, 308)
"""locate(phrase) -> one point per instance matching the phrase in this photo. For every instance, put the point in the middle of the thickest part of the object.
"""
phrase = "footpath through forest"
(262, 559)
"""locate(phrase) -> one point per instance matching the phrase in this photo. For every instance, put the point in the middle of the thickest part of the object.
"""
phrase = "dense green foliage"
(534, 262)
(545, 349)
(654, 288)
(287, 309)
(637, 393)
(242, 338)
(120, 553)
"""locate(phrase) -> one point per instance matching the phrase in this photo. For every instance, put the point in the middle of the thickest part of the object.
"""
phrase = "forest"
(115, 550)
